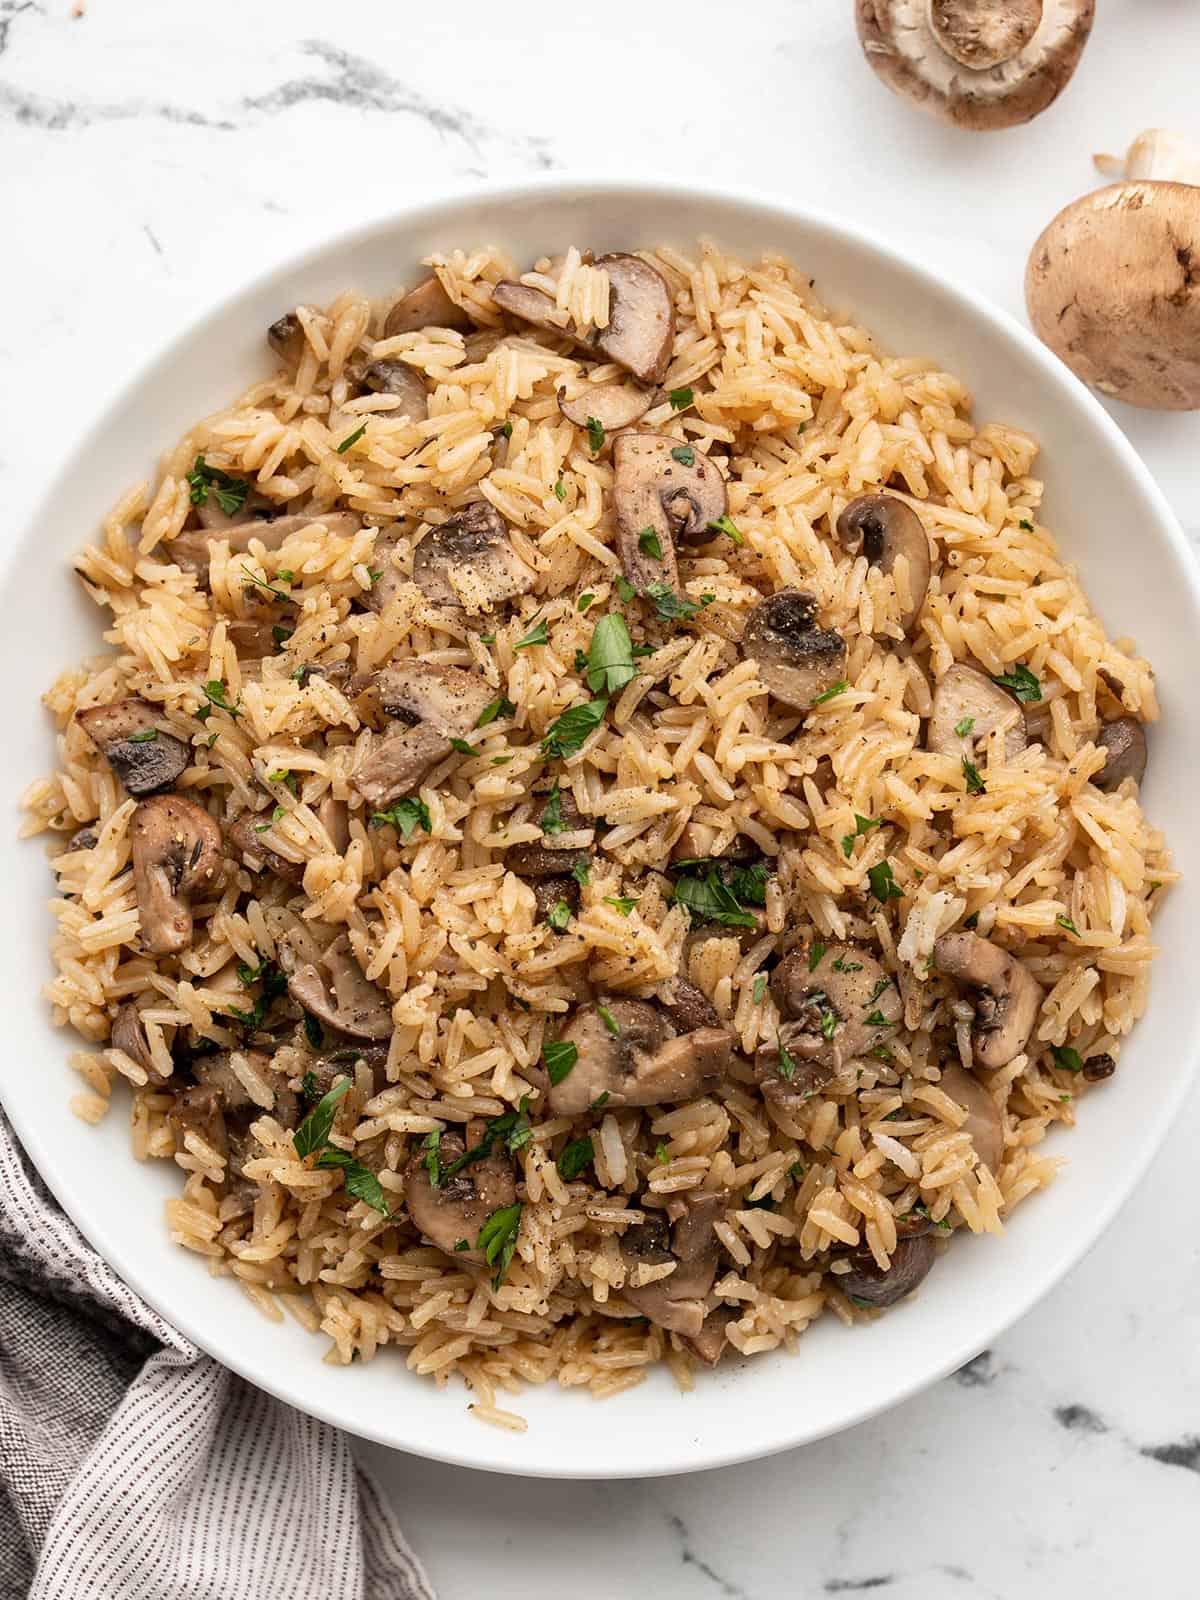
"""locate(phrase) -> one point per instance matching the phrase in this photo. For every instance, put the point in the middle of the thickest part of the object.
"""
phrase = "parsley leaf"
(625, 589)
(214, 693)
(681, 399)
(1065, 922)
(559, 1057)
(963, 728)
(883, 884)
(559, 915)
(498, 1239)
(511, 1130)
(595, 433)
(314, 1033)
(816, 955)
(684, 454)
(669, 606)
(760, 988)
(975, 784)
(610, 655)
(575, 1157)
(1066, 1058)
(1021, 683)
(600, 1100)
(649, 543)
(560, 492)
(499, 707)
(536, 635)
(552, 817)
(230, 492)
(431, 1160)
(406, 816)
(567, 732)
(787, 1067)
(313, 1132)
(147, 736)
(609, 1021)
(862, 826)
(351, 439)
(582, 873)
(725, 524)
(273, 985)
(749, 884)
(708, 899)
(463, 748)
(832, 692)
(360, 1181)
(584, 601)
(624, 903)
(1026, 524)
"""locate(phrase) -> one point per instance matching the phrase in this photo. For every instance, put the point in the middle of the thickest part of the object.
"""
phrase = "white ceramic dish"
(1137, 569)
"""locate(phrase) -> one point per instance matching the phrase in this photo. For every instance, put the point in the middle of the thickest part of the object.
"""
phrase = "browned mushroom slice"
(452, 1213)
(627, 1049)
(243, 834)
(447, 698)
(286, 338)
(390, 580)
(335, 990)
(693, 1242)
(551, 894)
(540, 858)
(398, 762)
(785, 1078)
(797, 661)
(253, 641)
(886, 529)
(191, 549)
(841, 995)
(176, 849)
(426, 306)
(1008, 996)
(985, 1121)
(533, 306)
(871, 1284)
(469, 561)
(641, 318)
(612, 405)
(86, 838)
(199, 1111)
(967, 706)
(711, 1343)
(216, 1072)
(322, 1072)
(127, 735)
(1125, 741)
(676, 1302)
(667, 489)
(129, 1035)
(398, 379)
(689, 1007)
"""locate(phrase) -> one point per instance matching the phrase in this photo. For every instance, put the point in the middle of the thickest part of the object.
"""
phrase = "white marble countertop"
(153, 156)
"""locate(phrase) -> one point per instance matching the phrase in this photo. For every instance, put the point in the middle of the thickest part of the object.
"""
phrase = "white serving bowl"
(1136, 568)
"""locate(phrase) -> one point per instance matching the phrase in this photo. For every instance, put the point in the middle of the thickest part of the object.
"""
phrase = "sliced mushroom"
(397, 762)
(676, 1302)
(176, 849)
(128, 736)
(86, 838)
(886, 529)
(1008, 1000)
(334, 817)
(982, 64)
(191, 549)
(533, 306)
(129, 1035)
(846, 1001)
(426, 306)
(967, 706)
(253, 641)
(451, 1215)
(398, 379)
(469, 561)
(867, 1281)
(689, 1008)
(797, 661)
(785, 1078)
(711, 1343)
(336, 991)
(1125, 741)
(286, 338)
(985, 1121)
(199, 1111)
(641, 318)
(550, 893)
(671, 489)
(215, 1072)
(540, 858)
(390, 580)
(612, 405)
(323, 1071)
(447, 698)
(242, 833)
(642, 1063)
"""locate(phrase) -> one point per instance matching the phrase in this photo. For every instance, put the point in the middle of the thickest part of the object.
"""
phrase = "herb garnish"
(574, 1157)
(625, 590)
(552, 817)
(406, 816)
(463, 748)
(498, 1239)
(975, 784)
(600, 1100)
(351, 439)
(214, 693)
(832, 692)
(267, 588)
(582, 873)
(759, 989)
(511, 1130)
(963, 728)
(786, 1067)
(681, 399)
(595, 433)
(230, 492)
(584, 601)
(609, 1021)
(883, 884)
(684, 454)
(610, 656)
(560, 492)
(862, 826)
(1026, 524)
(536, 635)
(816, 955)
(624, 903)
(669, 606)
(499, 707)
(559, 915)
(650, 544)
(568, 731)
(313, 1132)
(276, 815)
(147, 736)
(559, 1057)
(708, 899)
(1021, 683)
(726, 525)
(1065, 922)
(1067, 1058)
(313, 1031)
(432, 1160)
(273, 985)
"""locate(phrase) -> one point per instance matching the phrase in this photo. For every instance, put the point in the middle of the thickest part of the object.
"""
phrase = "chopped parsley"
(816, 956)
(559, 1057)
(510, 1130)
(1065, 922)
(595, 433)
(1065, 1057)
(147, 736)
(963, 728)
(276, 815)
(684, 454)
(749, 884)
(624, 903)
(1021, 683)
(600, 1100)
(285, 776)
(726, 525)
(609, 1021)
(499, 707)
(313, 1132)
(786, 1067)
(432, 1160)
(552, 817)
(506, 430)
(878, 1020)
(359, 1181)
(559, 915)
(308, 1088)
(230, 493)
(708, 899)
(584, 601)
(487, 638)
(883, 883)
(862, 826)
(610, 655)
(463, 748)
(281, 635)
(214, 693)
(560, 492)
(842, 965)
(582, 873)
(661, 1155)
(681, 399)
(273, 985)
(975, 784)
(568, 731)
(626, 590)
(832, 692)
(574, 1157)
(498, 1239)
(406, 816)
(650, 544)
(759, 989)
(313, 1031)
(669, 606)
(536, 635)
(1026, 524)
(351, 439)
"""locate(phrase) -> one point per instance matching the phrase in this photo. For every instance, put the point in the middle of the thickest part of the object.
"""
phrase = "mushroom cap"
(336, 990)
(842, 980)
(924, 52)
(286, 338)
(1008, 996)
(398, 379)
(531, 305)
(644, 1063)
(176, 849)
(1125, 741)
(458, 1208)
(1113, 287)
(612, 405)
(887, 529)
(911, 1261)
(242, 833)
(641, 318)
(129, 1035)
(963, 696)
(449, 699)
(469, 561)
(395, 764)
(426, 306)
(127, 734)
(797, 661)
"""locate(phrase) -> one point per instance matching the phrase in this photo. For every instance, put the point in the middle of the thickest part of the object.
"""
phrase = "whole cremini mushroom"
(981, 64)
(1113, 283)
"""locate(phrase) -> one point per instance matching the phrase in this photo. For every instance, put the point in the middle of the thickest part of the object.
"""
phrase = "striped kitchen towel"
(131, 1464)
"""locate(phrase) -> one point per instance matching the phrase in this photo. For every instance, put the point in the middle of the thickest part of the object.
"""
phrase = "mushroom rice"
(605, 828)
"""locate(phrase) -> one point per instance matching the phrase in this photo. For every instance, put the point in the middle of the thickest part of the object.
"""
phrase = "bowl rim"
(460, 197)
